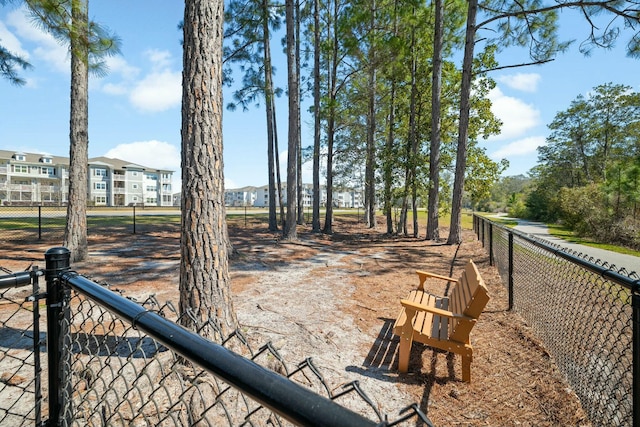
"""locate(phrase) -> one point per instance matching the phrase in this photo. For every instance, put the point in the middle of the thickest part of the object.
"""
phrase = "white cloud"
(157, 91)
(164, 155)
(46, 48)
(161, 59)
(118, 65)
(162, 88)
(11, 42)
(526, 82)
(521, 147)
(517, 116)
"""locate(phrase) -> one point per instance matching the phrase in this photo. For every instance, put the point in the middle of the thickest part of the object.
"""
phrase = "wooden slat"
(425, 319)
(468, 298)
(440, 328)
(480, 296)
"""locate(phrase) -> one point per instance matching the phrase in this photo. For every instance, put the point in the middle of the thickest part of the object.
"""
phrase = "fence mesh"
(20, 362)
(118, 376)
(48, 222)
(583, 319)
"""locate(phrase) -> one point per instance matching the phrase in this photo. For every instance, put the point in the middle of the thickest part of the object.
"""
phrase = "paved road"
(629, 262)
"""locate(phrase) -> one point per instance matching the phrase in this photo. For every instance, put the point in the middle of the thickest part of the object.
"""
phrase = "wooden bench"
(442, 322)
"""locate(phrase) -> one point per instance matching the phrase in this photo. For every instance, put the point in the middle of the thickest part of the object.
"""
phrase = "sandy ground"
(335, 298)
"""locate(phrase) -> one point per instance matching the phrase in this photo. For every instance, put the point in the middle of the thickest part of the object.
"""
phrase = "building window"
(100, 185)
(100, 172)
(134, 173)
(48, 171)
(134, 186)
(20, 157)
(46, 160)
(151, 201)
(151, 176)
(20, 169)
(151, 188)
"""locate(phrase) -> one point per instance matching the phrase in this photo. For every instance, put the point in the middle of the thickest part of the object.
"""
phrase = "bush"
(583, 209)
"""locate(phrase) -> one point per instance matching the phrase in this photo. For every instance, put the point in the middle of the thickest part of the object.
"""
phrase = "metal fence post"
(490, 243)
(37, 367)
(635, 304)
(39, 222)
(134, 218)
(510, 279)
(58, 260)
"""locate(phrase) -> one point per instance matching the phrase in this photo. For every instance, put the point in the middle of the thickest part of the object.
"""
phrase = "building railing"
(585, 311)
(112, 361)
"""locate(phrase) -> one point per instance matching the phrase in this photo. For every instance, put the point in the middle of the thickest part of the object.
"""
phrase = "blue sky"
(134, 112)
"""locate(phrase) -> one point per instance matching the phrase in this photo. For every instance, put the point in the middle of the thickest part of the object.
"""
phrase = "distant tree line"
(393, 113)
(588, 173)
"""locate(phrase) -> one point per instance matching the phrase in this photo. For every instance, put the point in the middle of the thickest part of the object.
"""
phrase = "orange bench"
(442, 322)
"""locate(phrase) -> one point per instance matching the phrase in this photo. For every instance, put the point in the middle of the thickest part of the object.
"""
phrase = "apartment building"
(259, 197)
(34, 179)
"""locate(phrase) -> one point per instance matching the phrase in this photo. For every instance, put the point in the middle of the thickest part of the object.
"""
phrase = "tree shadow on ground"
(382, 363)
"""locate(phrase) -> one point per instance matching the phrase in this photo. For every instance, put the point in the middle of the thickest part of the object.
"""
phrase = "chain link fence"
(114, 361)
(586, 312)
(48, 222)
(21, 347)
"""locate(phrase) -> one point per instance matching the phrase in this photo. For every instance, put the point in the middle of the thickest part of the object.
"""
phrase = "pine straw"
(514, 380)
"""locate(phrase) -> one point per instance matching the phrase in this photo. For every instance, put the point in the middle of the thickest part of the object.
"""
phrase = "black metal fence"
(113, 361)
(48, 222)
(586, 312)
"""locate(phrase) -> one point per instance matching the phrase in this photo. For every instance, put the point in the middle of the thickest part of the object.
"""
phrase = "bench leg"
(404, 353)
(466, 368)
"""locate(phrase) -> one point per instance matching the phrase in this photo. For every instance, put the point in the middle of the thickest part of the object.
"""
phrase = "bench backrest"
(469, 297)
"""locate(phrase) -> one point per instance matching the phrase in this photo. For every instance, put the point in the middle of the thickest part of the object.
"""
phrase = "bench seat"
(442, 322)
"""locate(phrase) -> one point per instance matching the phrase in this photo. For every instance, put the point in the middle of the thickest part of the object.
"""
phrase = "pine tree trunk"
(388, 159)
(331, 118)
(75, 234)
(277, 158)
(455, 229)
(433, 232)
(298, 123)
(290, 231)
(370, 167)
(270, 106)
(204, 273)
(315, 222)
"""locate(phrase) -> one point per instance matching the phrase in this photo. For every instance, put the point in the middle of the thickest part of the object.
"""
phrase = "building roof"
(57, 160)
(34, 157)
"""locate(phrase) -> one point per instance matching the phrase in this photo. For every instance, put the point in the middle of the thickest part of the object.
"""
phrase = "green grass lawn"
(570, 236)
(233, 215)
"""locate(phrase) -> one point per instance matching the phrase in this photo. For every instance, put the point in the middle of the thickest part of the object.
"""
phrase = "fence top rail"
(292, 401)
(569, 255)
(15, 280)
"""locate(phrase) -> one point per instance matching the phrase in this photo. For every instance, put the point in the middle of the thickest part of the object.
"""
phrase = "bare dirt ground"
(335, 298)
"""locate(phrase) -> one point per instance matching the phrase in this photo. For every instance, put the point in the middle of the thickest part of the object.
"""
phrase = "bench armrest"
(423, 275)
(440, 312)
